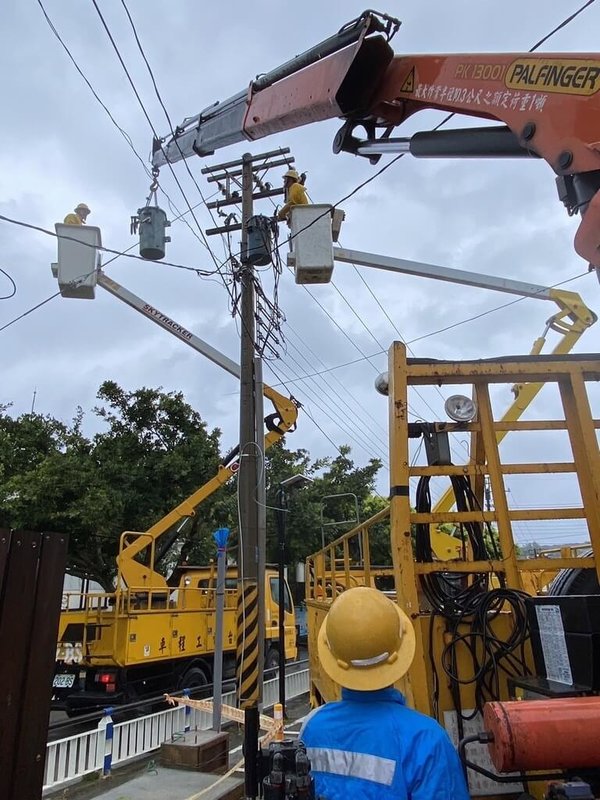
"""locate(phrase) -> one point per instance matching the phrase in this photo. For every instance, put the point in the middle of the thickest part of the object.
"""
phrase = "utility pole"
(248, 652)
(250, 642)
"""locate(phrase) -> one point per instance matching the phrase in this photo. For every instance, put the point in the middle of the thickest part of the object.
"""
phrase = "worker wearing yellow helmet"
(369, 744)
(80, 215)
(295, 193)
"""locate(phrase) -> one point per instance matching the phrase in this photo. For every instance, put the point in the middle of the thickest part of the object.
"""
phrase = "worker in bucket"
(80, 215)
(295, 193)
(369, 744)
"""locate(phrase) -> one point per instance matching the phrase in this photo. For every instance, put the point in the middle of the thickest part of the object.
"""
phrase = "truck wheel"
(194, 678)
(272, 662)
(575, 581)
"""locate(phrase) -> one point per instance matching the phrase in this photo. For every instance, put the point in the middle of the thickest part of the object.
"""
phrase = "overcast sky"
(60, 148)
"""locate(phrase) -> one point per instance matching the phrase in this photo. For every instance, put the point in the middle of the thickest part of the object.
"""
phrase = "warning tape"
(273, 727)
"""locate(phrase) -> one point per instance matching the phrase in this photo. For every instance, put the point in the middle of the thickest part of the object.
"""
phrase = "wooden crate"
(204, 751)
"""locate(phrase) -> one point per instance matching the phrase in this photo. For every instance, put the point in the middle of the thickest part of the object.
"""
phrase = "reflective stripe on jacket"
(370, 745)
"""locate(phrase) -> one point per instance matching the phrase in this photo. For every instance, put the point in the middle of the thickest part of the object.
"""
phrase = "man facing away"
(79, 217)
(369, 745)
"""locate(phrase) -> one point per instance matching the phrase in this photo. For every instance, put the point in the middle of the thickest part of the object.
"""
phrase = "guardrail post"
(107, 724)
(188, 712)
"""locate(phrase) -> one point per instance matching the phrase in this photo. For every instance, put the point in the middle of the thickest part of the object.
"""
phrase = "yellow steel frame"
(332, 570)
(571, 322)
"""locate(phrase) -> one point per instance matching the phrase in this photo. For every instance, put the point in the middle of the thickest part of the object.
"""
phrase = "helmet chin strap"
(369, 662)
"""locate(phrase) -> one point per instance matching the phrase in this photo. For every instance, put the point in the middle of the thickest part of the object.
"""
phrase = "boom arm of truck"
(134, 573)
(571, 320)
(548, 104)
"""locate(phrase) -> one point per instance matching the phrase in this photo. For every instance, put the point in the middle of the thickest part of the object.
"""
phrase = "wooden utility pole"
(250, 626)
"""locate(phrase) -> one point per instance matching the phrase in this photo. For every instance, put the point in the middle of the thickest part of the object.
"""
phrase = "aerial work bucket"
(78, 260)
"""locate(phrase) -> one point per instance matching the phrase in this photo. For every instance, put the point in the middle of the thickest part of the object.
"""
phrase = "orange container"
(544, 734)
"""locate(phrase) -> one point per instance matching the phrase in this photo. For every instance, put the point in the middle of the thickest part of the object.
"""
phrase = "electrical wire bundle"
(454, 594)
(470, 606)
(490, 654)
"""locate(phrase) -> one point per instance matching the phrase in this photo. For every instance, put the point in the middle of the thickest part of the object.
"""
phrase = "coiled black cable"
(470, 606)
(454, 594)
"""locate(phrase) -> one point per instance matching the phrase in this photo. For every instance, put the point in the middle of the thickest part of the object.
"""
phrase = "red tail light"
(108, 679)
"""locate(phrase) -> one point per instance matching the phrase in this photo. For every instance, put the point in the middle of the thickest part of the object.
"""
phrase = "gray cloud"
(60, 148)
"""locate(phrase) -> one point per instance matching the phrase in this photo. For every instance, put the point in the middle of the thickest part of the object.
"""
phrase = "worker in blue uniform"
(369, 744)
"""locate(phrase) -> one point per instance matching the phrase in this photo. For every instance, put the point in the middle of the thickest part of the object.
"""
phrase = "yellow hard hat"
(366, 641)
(291, 173)
(83, 207)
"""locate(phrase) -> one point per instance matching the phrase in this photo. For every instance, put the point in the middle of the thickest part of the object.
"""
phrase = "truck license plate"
(63, 681)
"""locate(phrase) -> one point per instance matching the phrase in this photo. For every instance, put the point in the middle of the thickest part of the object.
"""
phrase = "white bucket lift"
(313, 228)
(78, 260)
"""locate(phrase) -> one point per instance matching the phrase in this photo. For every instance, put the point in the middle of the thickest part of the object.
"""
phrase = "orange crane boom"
(548, 104)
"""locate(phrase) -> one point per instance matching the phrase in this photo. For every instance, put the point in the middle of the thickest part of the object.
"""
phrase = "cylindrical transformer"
(259, 241)
(544, 734)
(152, 224)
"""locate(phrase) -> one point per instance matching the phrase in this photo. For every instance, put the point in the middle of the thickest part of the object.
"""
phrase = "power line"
(442, 330)
(124, 253)
(563, 24)
(121, 130)
(490, 311)
(340, 421)
(316, 424)
(14, 286)
(377, 342)
(123, 133)
(357, 402)
(162, 104)
(154, 133)
(29, 311)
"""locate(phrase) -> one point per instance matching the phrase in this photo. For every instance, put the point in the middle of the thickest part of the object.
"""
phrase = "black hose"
(469, 606)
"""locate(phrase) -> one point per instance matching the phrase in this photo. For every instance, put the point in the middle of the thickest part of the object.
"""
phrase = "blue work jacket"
(369, 745)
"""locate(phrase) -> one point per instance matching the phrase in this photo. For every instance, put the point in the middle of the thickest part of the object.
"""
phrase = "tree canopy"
(154, 451)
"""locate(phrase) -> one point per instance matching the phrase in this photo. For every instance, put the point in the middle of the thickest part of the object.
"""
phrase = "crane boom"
(548, 105)
(131, 571)
(571, 320)
(167, 324)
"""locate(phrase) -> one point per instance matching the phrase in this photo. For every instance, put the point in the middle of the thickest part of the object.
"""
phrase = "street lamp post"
(295, 481)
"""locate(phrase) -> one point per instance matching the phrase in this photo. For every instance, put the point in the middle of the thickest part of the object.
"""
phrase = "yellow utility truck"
(141, 642)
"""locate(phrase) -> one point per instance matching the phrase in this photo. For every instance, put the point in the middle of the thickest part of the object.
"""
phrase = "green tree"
(155, 452)
(307, 507)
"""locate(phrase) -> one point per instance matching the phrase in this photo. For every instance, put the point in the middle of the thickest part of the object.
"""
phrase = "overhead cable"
(164, 108)
(29, 311)
(154, 133)
(124, 254)
(121, 130)
(14, 286)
